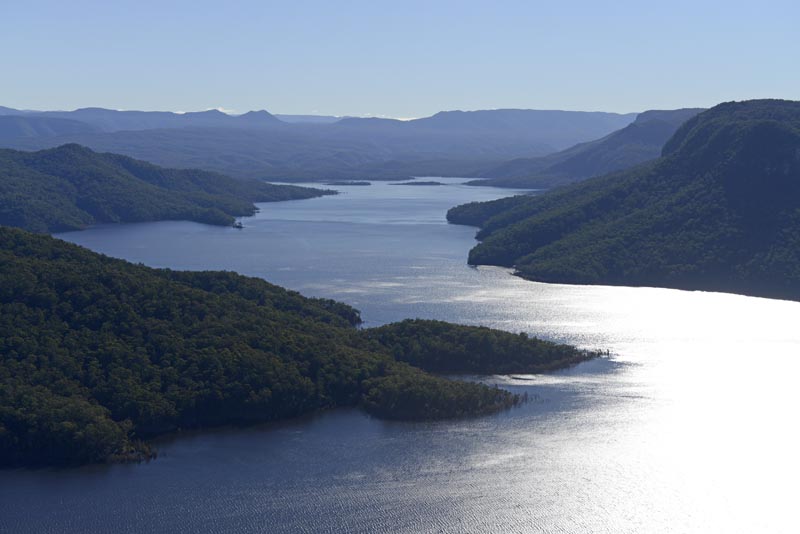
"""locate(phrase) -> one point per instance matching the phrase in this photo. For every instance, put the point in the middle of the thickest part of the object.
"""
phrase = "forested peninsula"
(99, 355)
(72, 187)
(719, 211)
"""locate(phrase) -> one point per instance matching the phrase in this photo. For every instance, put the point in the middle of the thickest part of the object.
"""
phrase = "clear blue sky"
(402, 58)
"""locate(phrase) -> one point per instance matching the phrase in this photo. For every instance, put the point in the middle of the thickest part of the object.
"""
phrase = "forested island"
(99, 355)
(72, 187)
(422, 183)
(719, 211)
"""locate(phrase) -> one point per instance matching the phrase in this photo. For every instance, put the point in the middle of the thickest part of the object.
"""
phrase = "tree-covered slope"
(636, 143)
(98, 354)
(720, 210)
(438, 347)
(71, 187)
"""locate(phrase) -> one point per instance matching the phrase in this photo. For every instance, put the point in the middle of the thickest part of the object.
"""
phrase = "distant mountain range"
(555, 129)
(14, 127)
(314, 119)
(71, 187)
(261, 145)
(636, 143)
(110, 120)
(719, 211)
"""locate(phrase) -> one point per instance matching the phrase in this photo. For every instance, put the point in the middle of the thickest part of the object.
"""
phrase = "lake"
(685, 427)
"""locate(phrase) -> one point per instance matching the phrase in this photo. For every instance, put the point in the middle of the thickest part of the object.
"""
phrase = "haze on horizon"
(403, 60)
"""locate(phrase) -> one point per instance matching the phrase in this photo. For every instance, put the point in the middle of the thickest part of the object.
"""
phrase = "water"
(687, 427)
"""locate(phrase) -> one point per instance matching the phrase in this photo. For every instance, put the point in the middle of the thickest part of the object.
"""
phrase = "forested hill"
(71, 187)
(720, 210)
(636, 143)
(97, 354)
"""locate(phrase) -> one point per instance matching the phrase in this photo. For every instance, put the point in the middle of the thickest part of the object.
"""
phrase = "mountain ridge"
(348, 148)
(71, 187)
(719, 211)
(640, 141)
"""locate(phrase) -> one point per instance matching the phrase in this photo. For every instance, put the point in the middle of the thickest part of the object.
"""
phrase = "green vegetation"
(634, 144)
(71, 187)
(405, 394)
(720, 211)
(480, 213)
(98, 355)
(441, 347)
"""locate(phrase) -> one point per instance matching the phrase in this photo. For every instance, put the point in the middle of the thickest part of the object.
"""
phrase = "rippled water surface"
(687, 427)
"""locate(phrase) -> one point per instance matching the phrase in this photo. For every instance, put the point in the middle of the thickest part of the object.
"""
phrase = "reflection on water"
(687, 427)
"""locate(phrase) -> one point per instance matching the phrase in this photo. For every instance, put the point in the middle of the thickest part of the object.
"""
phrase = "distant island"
(717, 212)
(99, 355)
(418, 183)
(348, 182)
(72, 187)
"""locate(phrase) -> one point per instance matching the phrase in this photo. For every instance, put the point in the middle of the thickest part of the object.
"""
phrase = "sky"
(398, 59)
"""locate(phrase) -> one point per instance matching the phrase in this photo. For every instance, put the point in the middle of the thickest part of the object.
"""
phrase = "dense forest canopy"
(71, 187)
(438, 347)
(99, 354)
(720, 210)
